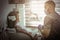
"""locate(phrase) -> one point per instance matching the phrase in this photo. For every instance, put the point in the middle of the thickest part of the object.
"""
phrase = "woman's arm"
(47, 27)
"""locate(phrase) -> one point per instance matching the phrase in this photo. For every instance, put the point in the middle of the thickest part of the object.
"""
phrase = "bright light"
(37, 7)
(34, 7)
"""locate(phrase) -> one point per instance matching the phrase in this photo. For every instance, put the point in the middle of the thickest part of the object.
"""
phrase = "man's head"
(49, 7)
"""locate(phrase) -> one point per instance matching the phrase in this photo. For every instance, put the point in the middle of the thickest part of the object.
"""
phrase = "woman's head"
(49, 7)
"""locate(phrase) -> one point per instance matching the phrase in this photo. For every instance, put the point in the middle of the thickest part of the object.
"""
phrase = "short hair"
(50, 3)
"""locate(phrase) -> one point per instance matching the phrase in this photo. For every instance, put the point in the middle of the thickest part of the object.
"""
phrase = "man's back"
(18, 36)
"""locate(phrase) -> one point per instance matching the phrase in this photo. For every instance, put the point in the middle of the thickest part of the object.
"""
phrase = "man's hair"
(50, 3)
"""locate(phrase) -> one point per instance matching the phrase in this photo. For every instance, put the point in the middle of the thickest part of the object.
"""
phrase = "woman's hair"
(50, 3)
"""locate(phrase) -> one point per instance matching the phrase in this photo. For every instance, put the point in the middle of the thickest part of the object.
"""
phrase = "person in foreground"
(51, 28)
(13, 30)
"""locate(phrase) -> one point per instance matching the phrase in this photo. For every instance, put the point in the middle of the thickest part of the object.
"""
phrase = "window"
(34, 13)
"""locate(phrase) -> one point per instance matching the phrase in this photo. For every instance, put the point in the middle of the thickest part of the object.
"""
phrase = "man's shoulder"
(48, 17)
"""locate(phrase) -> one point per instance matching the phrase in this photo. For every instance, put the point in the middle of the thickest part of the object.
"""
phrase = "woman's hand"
(40, 27)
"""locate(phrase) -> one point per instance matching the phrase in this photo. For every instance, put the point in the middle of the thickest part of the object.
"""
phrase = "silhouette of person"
(51, 27)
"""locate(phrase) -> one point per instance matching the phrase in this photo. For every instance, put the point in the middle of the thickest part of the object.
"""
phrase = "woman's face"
(49, 9)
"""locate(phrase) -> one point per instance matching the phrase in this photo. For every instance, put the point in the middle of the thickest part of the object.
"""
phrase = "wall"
(5, 8)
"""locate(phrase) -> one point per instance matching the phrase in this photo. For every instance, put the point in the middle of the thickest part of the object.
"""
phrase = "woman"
(50, 30)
